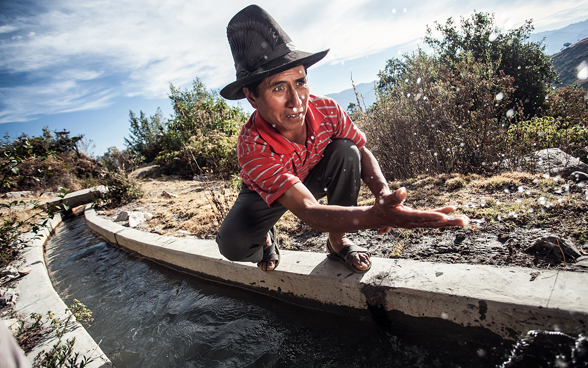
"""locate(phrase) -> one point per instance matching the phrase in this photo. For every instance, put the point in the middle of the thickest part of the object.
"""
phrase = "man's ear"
(250, 97)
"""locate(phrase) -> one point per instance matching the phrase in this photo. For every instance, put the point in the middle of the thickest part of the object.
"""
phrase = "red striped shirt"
(271, 164)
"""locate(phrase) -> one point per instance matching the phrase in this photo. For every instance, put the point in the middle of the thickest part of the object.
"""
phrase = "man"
(296, 148)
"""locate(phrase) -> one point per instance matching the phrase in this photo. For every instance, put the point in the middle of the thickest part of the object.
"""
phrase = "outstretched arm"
(387, 212)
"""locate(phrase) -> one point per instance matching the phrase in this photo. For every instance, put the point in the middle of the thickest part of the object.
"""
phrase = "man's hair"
(254, 86)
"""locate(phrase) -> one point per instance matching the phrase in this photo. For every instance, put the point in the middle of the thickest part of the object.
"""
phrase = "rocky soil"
(536, 221)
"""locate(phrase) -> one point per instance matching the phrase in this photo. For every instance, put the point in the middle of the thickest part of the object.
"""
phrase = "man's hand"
(389, 207)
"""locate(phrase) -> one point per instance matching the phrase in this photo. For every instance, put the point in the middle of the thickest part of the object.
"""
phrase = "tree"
(395, 72)
(525, 61)
(146, 138)
(201, 136)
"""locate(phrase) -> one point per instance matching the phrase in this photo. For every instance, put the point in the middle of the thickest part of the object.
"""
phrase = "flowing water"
(149, 316)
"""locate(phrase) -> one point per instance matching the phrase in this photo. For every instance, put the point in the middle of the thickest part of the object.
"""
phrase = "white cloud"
(8, 29)
(138, 48)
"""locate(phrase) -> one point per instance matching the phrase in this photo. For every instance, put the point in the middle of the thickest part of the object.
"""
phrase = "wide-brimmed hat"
(260, 49)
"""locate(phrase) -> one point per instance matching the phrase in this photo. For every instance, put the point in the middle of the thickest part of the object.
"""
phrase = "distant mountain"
(555, 40)
(572, 64)
(367, 95)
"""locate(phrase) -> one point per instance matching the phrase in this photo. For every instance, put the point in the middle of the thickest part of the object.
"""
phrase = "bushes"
(200, 136)
(547, 132)
(440, 119)
(45, 164)
(122, 189)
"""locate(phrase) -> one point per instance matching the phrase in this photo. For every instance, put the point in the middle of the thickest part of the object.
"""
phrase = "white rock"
(137, 218)
(166, 194)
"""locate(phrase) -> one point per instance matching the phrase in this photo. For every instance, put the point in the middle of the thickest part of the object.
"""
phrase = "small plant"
(122, 189)
(61, 354)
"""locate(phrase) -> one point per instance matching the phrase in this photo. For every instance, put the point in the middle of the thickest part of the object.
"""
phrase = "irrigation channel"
(147, 315)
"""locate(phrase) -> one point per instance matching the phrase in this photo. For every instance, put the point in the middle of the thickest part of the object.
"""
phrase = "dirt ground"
(517, 219)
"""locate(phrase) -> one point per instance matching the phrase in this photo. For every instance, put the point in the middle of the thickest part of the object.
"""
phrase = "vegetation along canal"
(149, 316)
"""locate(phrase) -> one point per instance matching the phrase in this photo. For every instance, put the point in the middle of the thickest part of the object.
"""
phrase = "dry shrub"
(439, 120)
(64, 170)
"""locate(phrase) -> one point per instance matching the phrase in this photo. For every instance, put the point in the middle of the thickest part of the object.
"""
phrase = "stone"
(137, 218)
(554, 161)
(8, 297)
(145, 171)
(122, 216)
(10, 271)
(582, 262)
(554, 247)
(24, 271)
(578, 176)
(16, 195)
(166, 194)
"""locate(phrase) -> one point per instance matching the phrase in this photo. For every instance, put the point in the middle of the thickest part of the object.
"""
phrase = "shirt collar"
(278, 142)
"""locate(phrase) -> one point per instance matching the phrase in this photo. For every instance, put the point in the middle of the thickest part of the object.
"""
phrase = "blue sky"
(82, 65)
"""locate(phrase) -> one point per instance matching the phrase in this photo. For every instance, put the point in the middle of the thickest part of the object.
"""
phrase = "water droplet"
(419, 80)
(541, 200)
(381, 201)
(507, 191)
(435, 154)
(462, 144)
(408, 95)
(510, 113)
(481, 353)
(325, 189)
(528, 192)
(499, 96)
(444, 315)
(530, 210)
(582, 70)
(493, 36)
(521, 189)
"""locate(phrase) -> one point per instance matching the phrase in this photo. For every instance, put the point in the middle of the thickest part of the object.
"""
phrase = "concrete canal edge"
(36, 295)
(401, 294)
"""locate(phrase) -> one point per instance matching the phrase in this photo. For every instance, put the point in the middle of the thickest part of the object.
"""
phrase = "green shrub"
(548, 132)
(121, 189)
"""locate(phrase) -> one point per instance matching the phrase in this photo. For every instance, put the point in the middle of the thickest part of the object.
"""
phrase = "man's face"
(283, 100)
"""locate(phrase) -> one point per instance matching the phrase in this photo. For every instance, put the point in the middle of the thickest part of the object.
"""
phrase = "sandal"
(346, 256)
(271, 253)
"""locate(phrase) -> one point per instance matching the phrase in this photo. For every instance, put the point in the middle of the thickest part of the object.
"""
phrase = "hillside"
(570, 61)
(554, 40)
(366, 93)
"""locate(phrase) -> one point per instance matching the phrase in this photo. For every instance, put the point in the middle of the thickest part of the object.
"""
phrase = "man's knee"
(345, 148)
(231, 247)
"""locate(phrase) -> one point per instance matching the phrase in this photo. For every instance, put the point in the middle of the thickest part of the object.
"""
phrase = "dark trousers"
(244, 229)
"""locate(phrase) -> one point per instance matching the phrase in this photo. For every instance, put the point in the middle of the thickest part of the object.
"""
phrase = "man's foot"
(270, 261)
(360, 259)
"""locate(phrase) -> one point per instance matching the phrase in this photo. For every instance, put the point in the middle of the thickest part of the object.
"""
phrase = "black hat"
(260, 49)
